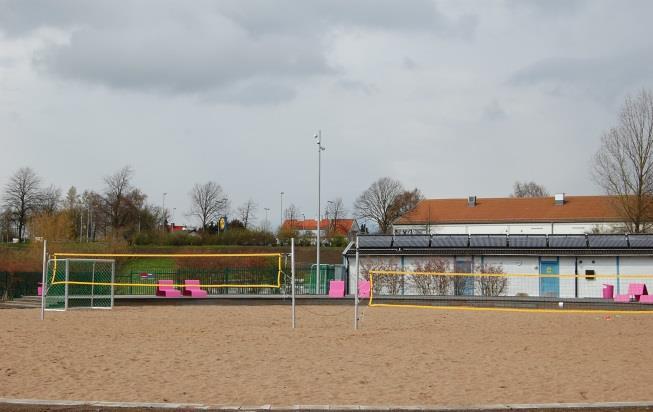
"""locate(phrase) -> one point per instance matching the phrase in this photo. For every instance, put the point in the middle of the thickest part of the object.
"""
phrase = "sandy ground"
(250, 355)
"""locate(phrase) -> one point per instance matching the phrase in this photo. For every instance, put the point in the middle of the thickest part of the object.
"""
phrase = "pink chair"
(39, 289)
(622, 298)
(636, 290)
(165, 289)
(192, 288)
(364, 289)
(648, 299)
(336, 288)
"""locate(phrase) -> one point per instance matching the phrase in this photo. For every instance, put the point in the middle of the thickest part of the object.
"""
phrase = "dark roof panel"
(640, 241)
(446, 241)
(488, 241)
(607, 241)
(567, 241)
(416, 241)
(371, 242)
(527, 241)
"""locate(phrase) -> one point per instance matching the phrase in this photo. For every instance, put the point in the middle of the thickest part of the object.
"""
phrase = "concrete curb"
(438, 408)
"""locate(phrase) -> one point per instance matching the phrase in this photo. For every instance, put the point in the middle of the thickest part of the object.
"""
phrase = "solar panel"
(444, 241)
(374, 241)
(527, 241)
(607, 241)
(419, 241)
(567, 241)
(640, 241)
(488, 241)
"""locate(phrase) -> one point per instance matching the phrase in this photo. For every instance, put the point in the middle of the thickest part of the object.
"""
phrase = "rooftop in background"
(513, 210)
(342, 226)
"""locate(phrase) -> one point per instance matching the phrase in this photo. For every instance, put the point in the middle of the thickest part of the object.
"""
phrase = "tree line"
(622, 167)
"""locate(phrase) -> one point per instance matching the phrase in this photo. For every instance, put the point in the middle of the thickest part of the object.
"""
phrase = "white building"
(586, 262)
(543, 215)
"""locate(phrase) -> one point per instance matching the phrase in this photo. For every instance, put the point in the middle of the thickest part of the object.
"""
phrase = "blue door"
(550, 286)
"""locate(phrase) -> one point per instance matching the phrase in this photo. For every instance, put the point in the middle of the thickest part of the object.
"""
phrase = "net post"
(356, 289)
(65, 301)
(292, 278)
(43, 279)
(113, 279)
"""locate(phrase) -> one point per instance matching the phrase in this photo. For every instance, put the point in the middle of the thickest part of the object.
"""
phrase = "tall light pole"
(320, 149)
(281, 212)
(267, 217)
(163, 211)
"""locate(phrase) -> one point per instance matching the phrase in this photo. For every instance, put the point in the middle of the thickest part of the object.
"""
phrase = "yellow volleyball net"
(512, 292)
(99, 277)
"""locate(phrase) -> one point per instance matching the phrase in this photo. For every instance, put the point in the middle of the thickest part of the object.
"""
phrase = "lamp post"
(329, 227)
(320, 149)
(163, 211)
(281, 211)
(267, 217)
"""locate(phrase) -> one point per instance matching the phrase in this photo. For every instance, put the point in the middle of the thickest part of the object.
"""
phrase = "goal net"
(80, 283)
(78, 277)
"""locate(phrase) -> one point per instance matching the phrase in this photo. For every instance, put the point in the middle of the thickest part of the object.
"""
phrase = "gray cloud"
(213, 50)
(601, 78)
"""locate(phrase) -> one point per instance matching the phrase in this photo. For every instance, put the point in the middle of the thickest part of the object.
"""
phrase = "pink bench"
(192, 288)
(39, 289)
(636, 291)
(364, 289)
(648, 299)
(336, 288)
(165, 289)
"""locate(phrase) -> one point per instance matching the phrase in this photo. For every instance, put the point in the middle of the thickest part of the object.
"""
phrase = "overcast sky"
(453, 97)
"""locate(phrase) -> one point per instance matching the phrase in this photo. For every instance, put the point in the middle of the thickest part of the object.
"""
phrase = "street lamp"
(320, 149)
(281, 211)
(267, 217)
(163, 211)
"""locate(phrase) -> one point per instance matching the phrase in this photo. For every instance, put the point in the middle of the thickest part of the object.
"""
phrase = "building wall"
(509, 228)
(614, 269)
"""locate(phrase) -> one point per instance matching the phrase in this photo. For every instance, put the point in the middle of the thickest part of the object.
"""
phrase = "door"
(550, 285)
(463, 285)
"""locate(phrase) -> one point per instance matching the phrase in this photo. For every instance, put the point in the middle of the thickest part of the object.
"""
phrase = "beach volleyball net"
(93, 280)
(493, 290)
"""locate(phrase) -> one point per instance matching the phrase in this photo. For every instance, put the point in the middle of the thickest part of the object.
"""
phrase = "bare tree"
(335, 210)
(436, 282)
(117, 187)
(292, 214)
(50, 200)
(247, 213)
(492, 284)
(623, 166)
(22, 197)
(385, 201)
(528, 189)
(208, 202)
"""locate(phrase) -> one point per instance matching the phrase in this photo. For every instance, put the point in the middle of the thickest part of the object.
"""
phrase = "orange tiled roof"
(343, 226)
(510, 209)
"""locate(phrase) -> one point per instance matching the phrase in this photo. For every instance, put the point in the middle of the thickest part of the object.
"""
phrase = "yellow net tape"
(57, 256)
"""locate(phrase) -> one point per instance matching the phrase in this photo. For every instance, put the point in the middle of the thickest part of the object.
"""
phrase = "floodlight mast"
(320, 149)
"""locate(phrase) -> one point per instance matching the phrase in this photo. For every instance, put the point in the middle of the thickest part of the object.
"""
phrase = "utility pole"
(281, 212)
(320, 149)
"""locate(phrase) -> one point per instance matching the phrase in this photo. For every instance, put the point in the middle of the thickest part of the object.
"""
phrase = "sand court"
(249, 355)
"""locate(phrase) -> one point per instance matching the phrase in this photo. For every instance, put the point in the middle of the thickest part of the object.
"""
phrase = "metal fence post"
(356, 289)
(44, 288)
(292, 278)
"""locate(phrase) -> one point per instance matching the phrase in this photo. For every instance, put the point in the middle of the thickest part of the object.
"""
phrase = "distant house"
(559, 214)
(177, 228)
(328, 227)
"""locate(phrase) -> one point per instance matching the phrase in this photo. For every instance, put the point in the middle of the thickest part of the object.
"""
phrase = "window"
(590, 275)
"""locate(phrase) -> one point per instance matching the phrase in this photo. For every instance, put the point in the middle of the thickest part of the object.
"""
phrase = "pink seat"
(648, 299)
(165, 288)
(39, 289)
(336, 288)
(192, 288)
(636, 290)
(622, 298)
(364, 289)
